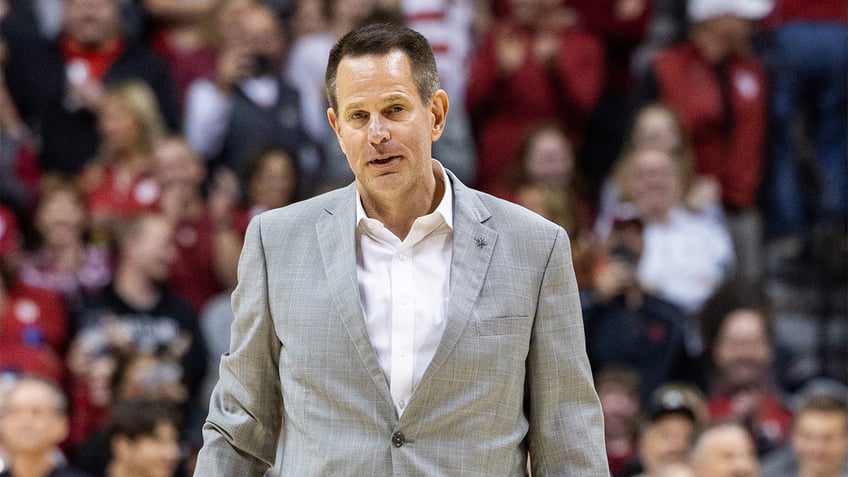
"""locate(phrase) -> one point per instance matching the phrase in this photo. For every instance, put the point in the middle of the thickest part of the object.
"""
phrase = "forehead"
(368, 77)
(31, 394)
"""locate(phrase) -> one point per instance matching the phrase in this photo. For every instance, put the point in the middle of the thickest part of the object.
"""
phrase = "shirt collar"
(444, 209)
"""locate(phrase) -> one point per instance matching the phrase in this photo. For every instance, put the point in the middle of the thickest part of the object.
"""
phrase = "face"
(549, 159)
(92, 22)
(154, 455)
(153, 248)
(385, 130)
(666, 441)
(119, 129)
(620, 409)
(725, 452)
(742, 354)
(260, 33)
(176, 164)
(656, 128)
(60, 219)
(657, 185)
(820, 440)
(274, 183)
(30, 421)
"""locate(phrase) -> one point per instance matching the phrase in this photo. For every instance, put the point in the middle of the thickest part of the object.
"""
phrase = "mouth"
(384, 160)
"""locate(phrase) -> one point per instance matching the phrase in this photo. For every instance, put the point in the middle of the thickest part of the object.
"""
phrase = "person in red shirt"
(532, 66)
(33, 322)
(740, 351)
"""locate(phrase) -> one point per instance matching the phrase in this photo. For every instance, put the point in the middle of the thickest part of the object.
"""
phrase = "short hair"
(60, 400)
(381, 39)
(135, 418)
(698, 438)
(733, 295)
(823, 403)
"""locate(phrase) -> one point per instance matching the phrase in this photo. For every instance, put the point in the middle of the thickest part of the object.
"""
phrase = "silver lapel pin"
(480, 241)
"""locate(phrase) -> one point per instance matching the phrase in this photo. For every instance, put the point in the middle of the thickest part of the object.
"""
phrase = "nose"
(377, 130)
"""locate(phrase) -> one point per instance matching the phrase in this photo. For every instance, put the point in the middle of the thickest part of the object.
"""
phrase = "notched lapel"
(473, 245)
(336, 240)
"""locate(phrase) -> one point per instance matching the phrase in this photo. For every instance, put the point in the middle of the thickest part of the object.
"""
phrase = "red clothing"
(503, 109)
(97, 61)
(773, 422)
(109, 199)
(33, 332)
(622, 34)
(815, 10)
(186, 65)
(730, 151)
(193, 275)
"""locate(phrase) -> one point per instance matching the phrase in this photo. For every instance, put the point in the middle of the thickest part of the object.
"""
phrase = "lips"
(384, 160)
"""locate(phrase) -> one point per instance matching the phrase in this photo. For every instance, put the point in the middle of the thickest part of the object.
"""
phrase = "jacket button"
(398, 439)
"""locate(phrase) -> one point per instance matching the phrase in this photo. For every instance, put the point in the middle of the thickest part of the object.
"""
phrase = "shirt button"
(398, 439)
(401, 404)
(402, 352)
(401, 257)
(403, 301)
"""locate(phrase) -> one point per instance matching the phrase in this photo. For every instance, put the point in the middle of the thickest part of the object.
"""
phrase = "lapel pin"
(480, 241)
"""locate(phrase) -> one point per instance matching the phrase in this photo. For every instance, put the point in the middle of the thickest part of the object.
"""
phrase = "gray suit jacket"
(510, 375)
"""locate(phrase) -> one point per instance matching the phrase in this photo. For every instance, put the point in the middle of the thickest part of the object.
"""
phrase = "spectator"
(58, 86)
(656, 127)
(618, 390)
(136, 313)
(63, 260)
(685, 256)
(144, 439)
(673, 415)
(33, 321)
(739, 346)
(726, 120)
(724, 449)
(119, 182)
(270, 181)
(819, 439)
(249, 107)
(34, 421)
(531, 66)
(207, 239)
(808, 95)
(627, 325)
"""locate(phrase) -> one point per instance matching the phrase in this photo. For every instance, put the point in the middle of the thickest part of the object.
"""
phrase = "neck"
(399, 216)
(136, 288)
(66, 256)
(37, 464)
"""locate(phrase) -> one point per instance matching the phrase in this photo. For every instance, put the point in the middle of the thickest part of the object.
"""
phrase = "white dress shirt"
(404, 287)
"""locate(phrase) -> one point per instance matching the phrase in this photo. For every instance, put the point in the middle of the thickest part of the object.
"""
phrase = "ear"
(334, 123)
(439, 105)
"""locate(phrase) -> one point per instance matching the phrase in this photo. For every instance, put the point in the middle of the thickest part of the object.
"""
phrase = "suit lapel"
(336, 239)
(473, 244)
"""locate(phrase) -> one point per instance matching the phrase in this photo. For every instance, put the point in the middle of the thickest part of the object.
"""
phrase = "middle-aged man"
(33, 422)
(405, 324)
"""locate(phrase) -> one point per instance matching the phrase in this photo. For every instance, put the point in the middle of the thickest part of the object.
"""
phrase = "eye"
(396, 108)
(357, 116)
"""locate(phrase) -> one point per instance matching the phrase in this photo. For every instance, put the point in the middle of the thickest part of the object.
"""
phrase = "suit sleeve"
(245, 411)
(566, 435)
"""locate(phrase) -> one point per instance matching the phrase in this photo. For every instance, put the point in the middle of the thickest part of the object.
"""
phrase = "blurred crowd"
(693, 151)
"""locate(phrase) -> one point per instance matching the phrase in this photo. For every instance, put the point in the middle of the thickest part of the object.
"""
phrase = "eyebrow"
(392, 98)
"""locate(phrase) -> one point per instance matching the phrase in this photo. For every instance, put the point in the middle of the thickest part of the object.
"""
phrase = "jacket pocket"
(500, 326)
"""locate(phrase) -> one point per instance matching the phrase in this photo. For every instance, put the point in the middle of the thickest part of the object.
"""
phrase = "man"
(819, 441)
(724, 449)
(674, 415)
(403, 325)
(33, 422)
(58, 85)
(144, 438)
(137, 313)
(249, 107)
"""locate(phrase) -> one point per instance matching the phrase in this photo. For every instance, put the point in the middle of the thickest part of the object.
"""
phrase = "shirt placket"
(403, 327)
